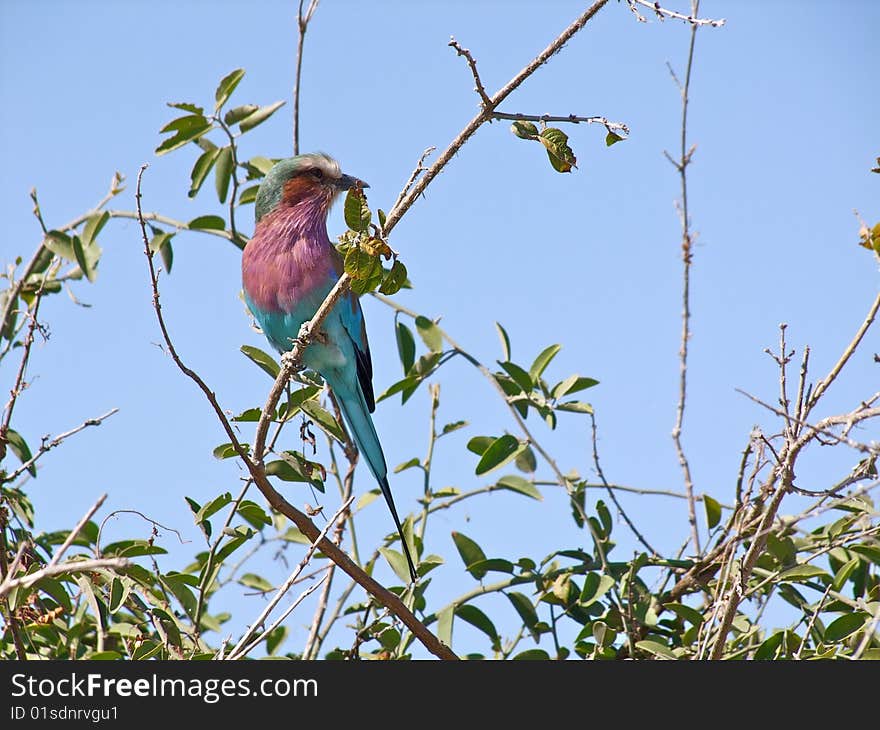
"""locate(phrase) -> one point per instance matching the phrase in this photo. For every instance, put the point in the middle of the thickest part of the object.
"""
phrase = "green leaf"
(518, 484)
(86, 258)
(360, 264)
(475, 617)
(688, 613)
(532, 655)
(520, 376)
(118, 593)
(258, 583)
(226, 451)
(430, 333)
(525, 460)
(406, 346)
(657, 649)
(186, 129)
(324, 420)
(574, 406)
(93, 226)
(207, 223)
(394, 279)
(450, 427)
(500, 452)
(479, 444)
(556, 142)
(398, 563)
(524, 130)
(444, 624)
(248, 195)
(542, 361)
(223, 173)
(259, 116)
(275, 638)
(613, 138)
(470, 553)
(505, 341)
(254, 514)
(499, 565)
(800, 573)
(56, 590)
(357, 211)
(61, 244)
(768, 647)
(187, 107)
(595, 586)
(407, 465)
(713, 511)
(167, 254)
(842, 575)
(524, 608)
(227, 86)
(844, 626)
(201, 169)
(265, 361)
(19, 447)
(212, 507)
(236, 114)
(572, 384)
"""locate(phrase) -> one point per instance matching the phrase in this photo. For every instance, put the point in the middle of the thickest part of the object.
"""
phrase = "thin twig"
(601, 474)
(238, 651)
(478, 83)
(570, 118)
(662, 13)
(687, 259)
(49, 444)
(302, 23)
(59, 553)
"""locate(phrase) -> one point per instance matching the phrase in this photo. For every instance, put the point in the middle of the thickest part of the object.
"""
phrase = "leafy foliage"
(587, 601)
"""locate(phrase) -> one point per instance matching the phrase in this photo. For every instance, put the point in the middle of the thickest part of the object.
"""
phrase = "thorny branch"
(302, 24)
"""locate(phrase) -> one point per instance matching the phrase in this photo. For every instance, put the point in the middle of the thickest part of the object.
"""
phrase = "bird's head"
(313, 177)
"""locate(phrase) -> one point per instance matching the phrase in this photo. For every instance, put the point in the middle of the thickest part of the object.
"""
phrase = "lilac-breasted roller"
(288, 268)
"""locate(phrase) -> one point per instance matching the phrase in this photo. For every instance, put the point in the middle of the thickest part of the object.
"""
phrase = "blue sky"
(783, 112)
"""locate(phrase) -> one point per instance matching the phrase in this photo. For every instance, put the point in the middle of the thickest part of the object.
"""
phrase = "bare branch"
(71, 566)
(479, 88)
(570, 118)
(49, 444)
(302, 24)
(687, 259)
(662, 13)
(59, 553)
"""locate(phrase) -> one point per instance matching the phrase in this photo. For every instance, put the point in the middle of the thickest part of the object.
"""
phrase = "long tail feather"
(360, 425)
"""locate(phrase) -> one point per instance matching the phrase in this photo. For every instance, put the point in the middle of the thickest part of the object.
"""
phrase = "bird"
(288, 267)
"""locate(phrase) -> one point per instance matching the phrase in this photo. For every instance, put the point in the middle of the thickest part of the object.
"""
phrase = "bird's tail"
(360, 425)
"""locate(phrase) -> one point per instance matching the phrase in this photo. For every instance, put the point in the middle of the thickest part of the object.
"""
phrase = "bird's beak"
(347, 181)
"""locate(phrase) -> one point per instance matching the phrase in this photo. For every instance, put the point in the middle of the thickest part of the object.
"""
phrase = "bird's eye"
(316, 173)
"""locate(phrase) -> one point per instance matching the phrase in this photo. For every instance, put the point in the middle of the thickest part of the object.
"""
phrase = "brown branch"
(302, 23)
(570, 118)
(6, 571)
(19, 377)
(478, 87)
(486, 112)
(687, 259)
(275, 500)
